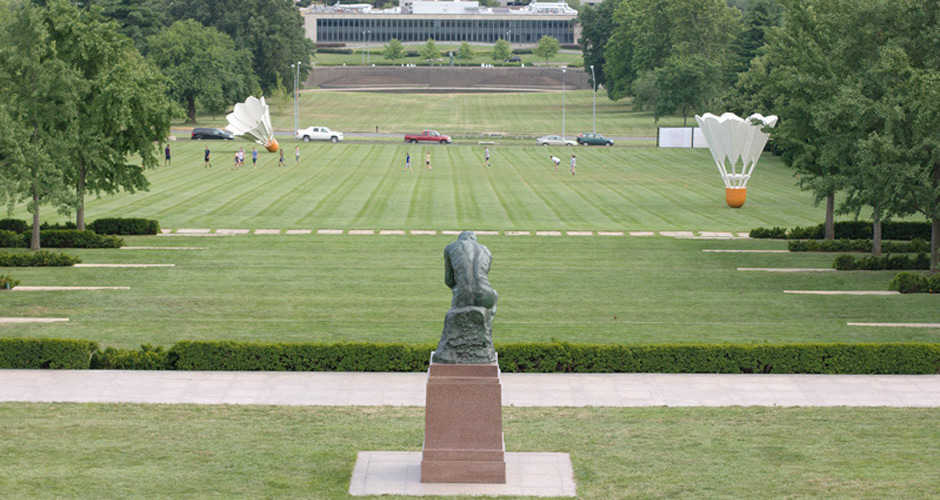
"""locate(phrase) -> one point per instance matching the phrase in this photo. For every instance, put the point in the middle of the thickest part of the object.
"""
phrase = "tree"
(203, 67)
(649, 32)
(394, 50)
(547, 48)
(464, 53)
(682, 85)
(38, 113)
(758, 17)
(430, 52)
(597, 22)
(271, 31)
(501, 50)
(138, 19)
(123, 102)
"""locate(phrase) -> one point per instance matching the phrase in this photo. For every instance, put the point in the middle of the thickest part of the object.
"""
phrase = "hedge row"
(7, 282)
(61, 238)
(119, 226)
(64, 354)
(916, 245)
(539, 357)
(914, 283)
(882, 262)
(852, 230)
(42, 258)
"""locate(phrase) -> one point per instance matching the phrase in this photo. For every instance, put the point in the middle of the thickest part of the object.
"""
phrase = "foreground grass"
(512, 114)
(135, 451)
(390, 289)
(363, 186)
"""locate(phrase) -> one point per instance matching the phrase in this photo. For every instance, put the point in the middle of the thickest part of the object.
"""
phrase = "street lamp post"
(563, 103)
(509, 37)
(363, 53)
(594, 104)
(368, 54)
(296, 68)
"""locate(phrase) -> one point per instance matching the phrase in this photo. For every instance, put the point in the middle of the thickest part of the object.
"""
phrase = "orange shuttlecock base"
(735, 197)
(272, 145)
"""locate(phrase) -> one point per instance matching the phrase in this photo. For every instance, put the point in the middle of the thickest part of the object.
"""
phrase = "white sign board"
(675, 137)
(698, 138)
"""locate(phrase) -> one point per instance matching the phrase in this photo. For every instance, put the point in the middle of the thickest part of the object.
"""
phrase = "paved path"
(407, 389)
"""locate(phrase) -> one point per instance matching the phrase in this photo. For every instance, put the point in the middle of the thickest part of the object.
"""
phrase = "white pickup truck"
(318, 134)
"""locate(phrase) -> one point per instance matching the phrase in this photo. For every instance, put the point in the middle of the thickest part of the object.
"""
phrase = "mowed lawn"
(96, 451)
(363, 186)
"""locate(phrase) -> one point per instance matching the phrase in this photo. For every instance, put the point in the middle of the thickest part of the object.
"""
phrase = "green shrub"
(15, 225)
(7, 283)
(147, 358)
(908, 283)
(41, 258)
(774, 232)
(125, 226)
(933, 283)
(10, 239)
(247, 356)
(331, 50)
(58, 226)
(73, 238)
(65, 354)
(884, 262)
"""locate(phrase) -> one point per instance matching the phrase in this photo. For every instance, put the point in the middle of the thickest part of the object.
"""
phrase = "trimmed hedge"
(41, 258)
(881, 263)
(15, 225)
(914, 283)
(7, 283)
(913, 358)
(125, 226)
(916, 245)
(63, 354)
(61, 238)
(852, 230)
(58, 226)
(10, 239)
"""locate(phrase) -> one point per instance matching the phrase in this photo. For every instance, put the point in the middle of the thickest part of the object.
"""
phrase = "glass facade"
(359, 29)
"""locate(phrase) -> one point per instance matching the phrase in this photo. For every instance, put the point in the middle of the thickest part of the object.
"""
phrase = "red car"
(427, 136)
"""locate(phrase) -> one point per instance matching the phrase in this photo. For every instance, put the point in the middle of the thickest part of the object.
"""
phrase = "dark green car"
(592, 139)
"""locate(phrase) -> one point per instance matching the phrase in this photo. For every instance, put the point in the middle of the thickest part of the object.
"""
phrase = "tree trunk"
(830, 219)
(934, 244)
(34, 241)
(876, 230)
(80, 211)
(191, 109)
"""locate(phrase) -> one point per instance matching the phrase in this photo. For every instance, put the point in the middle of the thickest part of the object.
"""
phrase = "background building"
(443, 21)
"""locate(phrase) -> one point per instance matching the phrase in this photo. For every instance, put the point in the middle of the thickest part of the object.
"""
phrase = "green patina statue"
(468, 326)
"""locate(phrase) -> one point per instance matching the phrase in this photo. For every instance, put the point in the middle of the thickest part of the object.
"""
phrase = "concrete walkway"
(407, 389)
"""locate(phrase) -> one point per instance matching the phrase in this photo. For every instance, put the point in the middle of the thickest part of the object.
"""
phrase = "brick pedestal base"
(463, 425)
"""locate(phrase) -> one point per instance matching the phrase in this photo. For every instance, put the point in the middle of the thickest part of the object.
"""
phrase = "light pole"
(296, 68)
(594, 104)
(368, 54)
(363, 52)
(563, 103)
(509, 37)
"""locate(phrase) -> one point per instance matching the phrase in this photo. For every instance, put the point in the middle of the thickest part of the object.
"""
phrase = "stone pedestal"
(463, 425)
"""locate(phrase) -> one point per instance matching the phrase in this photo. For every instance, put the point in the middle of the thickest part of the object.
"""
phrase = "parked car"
(427, 136)
(211, 134)
(513, 59)
(592, 139)
(554, 140)
(318, 134)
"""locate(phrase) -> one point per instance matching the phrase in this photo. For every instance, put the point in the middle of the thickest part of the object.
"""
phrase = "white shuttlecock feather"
(251, 120)
(734, 142)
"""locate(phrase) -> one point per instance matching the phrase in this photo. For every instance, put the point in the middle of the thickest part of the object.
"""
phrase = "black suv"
(211, 133)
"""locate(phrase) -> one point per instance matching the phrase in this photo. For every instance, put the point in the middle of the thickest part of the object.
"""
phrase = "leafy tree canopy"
(548, 46)
(394, 50)
(501, 50)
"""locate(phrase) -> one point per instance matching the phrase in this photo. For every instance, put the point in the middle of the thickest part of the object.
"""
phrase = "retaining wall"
(445, 77)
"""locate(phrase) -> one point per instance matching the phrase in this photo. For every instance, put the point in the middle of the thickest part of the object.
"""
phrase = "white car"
(319, 134)
(554, 140)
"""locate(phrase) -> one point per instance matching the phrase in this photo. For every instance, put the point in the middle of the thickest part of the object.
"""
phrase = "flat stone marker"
(745, 251)
(450, 232)
(899, 325)
(677, 234)
(399, 473)
(361, 232)
(744, 235)
(66, 288)
(124, 265)
(548, 233)
(642, 233)
(164, 248)
(299, 231)
(580, 233)
(329, 231)
(389, 232)
(842, 292)
(518, 233)
(488, 233)
(192, 231)
(33, 320)
(267, 231)
(787, 269)
(424, 232)
(232, 231)
(610, 233)
(166, 231)
(715, 234)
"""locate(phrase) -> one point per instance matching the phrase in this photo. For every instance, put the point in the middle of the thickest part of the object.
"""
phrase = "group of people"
(486, 155)
(557, 161)
(427, 161)
(239, 159)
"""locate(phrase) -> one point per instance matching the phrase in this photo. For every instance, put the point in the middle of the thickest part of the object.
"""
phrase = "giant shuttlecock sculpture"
(251, 120)
(736, 144)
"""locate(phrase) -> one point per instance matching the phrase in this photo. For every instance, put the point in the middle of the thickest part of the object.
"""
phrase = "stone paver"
(164, 248)
(787, 269)
(399, 473)
(66, 288)
(385, 232)
(744, 251)
(898, 325)
(32, 320)
(580, 233)
(642, 233)
(548, 233)
(193, 231)
(610, 233)
(517, 233)
(267, 231)
(519, 389)
(424, 232)
(329, 231)
(361, 232)
(125, 265)
(842, 292)
(299, 231)
(677, 234)
(232, 231)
